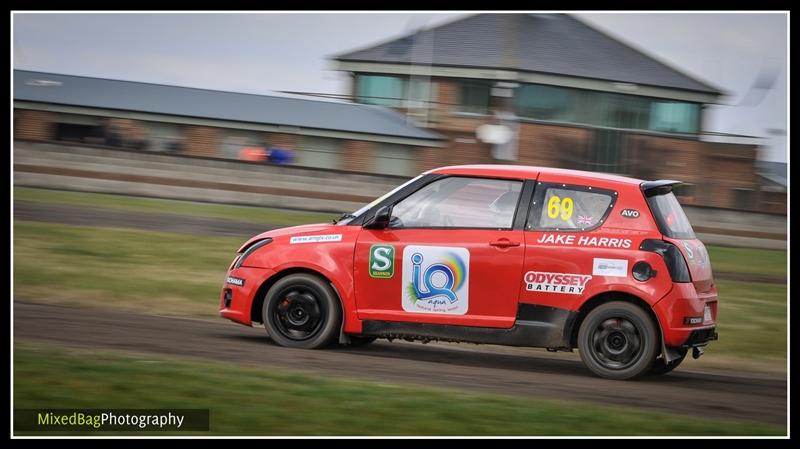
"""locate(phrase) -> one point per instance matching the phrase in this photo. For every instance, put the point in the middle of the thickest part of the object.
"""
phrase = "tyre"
(302, 311)
(618, 340)
(659, 367)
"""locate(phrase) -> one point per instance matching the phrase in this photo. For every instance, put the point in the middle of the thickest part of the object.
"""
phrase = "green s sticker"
(381, 261)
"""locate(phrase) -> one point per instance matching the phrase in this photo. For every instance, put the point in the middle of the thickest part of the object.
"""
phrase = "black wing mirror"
(381, 219)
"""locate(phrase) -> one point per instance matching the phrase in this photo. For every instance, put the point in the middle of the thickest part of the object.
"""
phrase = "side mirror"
(381, 219)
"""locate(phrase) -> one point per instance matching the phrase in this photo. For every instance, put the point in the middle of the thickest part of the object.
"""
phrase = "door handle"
(503, 243)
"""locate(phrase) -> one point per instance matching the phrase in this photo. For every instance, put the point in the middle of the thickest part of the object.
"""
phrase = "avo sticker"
(435, 279)
(381, 261)
(630, 213)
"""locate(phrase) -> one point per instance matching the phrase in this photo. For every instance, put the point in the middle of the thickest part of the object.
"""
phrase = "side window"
(456, 202)
(559, 207)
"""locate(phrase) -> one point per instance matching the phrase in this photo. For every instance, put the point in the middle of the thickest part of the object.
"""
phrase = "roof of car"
(531, 172)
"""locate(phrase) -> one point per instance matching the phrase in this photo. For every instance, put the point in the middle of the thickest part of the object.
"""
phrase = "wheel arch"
(606, 297)
(256, 308)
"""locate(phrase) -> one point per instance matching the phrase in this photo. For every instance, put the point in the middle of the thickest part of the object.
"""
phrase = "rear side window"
(669, 214)
(560, 207)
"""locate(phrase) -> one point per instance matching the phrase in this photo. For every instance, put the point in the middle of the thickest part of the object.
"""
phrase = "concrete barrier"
(92, 169)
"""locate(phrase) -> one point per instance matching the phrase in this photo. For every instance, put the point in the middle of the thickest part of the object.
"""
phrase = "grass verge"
(747, 260)
(253, 401)
(281, 217)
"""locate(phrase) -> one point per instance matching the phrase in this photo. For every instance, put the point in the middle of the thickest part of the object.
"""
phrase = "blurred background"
(147, 147)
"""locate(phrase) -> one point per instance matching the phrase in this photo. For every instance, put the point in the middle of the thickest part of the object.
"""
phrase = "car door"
(452, 254)
(569, 254)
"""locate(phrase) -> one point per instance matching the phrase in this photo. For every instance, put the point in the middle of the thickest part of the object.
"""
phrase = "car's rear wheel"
(618, 340)
(659, 367)
(302, 311)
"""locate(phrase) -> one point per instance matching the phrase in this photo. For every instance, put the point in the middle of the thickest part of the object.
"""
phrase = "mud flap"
(667, 354)
(344, 339)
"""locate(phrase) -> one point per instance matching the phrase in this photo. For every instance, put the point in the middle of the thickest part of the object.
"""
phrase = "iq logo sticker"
(381, 261)
(435, 279)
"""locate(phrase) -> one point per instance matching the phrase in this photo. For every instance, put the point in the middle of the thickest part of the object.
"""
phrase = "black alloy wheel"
(618, 340)
(302, 311)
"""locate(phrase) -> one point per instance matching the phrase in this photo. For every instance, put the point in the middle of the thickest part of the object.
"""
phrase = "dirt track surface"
(730, 396)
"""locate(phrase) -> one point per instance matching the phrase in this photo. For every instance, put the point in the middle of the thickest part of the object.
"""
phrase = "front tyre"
(618, 340)
(302, 311)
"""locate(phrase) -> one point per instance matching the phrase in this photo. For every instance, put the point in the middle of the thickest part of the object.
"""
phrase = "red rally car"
(510, 255)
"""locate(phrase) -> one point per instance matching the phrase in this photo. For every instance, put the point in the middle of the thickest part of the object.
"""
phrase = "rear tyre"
(302, 311)
(660, 368)
(618, 340)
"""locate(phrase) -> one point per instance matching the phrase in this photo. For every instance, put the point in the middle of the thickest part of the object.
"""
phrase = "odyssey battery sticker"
(566, 283)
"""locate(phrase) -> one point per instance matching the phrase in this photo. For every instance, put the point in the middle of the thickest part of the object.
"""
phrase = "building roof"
(531, 172)
(558, 44)
(775, 172)
(211, 104)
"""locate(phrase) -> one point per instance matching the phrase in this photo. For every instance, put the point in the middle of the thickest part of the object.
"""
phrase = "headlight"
(249, 250)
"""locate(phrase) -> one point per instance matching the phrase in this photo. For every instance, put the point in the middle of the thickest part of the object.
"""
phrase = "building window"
(79, 128)
(72, 132)
(606, 150)
(320, 152)
(394, 91)
(671, 116)
(606, 109)
(420, 91)
(545, 102)
(236, 143)
(621, 111)
(474, 97)
(164, 137)
(393, 159)
(743, 198)
(382, 90)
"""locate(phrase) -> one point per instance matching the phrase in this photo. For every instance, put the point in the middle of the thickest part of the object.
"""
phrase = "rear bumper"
(701, 337)
(675, 310)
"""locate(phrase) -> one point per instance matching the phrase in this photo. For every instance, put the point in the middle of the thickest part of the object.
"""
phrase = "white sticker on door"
(610, 267)
(435, 279)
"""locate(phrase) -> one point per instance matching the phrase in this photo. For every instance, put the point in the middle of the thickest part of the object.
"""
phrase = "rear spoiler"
(659, 187)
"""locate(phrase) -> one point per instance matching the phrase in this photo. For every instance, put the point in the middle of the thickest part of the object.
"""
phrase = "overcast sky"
(261, 53)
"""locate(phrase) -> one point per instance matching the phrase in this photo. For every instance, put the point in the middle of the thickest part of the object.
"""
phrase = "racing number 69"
(556, 206)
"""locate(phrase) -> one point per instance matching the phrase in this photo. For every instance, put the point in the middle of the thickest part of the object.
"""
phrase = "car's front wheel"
(618, 340)
(302, 311)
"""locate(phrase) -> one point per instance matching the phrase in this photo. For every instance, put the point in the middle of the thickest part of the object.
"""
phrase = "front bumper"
(236, 301)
